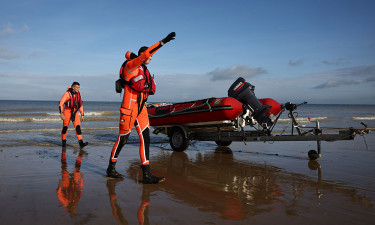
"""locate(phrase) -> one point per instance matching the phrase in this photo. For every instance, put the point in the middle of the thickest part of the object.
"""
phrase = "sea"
(24, 123)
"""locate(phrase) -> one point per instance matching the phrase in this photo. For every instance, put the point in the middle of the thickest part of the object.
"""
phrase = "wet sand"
(257, 183)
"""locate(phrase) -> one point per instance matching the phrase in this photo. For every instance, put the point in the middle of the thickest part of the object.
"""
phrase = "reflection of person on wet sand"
(116, 209)
(70, 185)
(142, 213)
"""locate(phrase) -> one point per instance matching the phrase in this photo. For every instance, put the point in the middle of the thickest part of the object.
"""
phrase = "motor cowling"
(244, 92)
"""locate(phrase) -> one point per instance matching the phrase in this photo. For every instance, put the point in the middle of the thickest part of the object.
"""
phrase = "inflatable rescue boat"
(241, 101)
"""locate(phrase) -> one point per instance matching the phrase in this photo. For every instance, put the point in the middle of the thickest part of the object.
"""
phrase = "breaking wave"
(55, 117)
(49, 120)
(362, 118)
(29, 120)
(102, 113)
(55, 129)
(305, 120)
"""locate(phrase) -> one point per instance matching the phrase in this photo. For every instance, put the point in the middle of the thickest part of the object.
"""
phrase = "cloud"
(54, 85)
(36, 54)
(7, 53)
(358, 75)
(296, 63)
(234, 72)
(359, 71)
(370, 79)
(188, 87)
(336, 83)
(334, 62)
(8, 30)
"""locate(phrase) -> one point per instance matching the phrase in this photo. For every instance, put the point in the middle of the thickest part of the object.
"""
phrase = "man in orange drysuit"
(70, 104)
(138, 84)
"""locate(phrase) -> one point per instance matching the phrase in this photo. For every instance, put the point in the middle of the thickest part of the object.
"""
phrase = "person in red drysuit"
(138, 84)
(70, 104)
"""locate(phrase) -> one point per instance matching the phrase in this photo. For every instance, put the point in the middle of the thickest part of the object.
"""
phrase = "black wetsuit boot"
(111, 171)
(63, 143)
(148, 178)
(82, 144)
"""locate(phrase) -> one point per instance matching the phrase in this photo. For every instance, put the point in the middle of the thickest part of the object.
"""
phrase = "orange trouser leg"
(76, 123)
(65, 124)
(143, 130)
(77, 126)
(128, 118)
(126, 124)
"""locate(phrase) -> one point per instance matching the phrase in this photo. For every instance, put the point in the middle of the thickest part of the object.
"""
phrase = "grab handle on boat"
(208, 104)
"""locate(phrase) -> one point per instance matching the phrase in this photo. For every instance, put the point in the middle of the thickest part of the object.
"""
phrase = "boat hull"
(195, 112)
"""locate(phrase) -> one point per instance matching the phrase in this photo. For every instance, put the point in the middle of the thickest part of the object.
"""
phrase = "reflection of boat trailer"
(228, 131)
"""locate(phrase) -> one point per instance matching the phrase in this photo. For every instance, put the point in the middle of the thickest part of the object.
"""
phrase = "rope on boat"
(192, 107)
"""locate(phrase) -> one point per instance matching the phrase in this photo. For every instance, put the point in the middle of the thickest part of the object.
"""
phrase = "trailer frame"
(228, 131)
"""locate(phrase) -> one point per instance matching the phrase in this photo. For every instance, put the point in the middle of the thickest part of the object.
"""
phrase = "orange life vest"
(143, 82)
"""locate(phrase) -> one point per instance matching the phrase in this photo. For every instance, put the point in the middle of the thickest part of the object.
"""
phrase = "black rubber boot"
(148, 178)
(111, 171)
(63, 143)
(82, 144)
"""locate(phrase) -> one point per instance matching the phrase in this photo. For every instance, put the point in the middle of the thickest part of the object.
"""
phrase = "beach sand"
(257, 183)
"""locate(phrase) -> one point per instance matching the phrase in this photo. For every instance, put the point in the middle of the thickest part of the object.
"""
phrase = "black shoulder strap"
(145, 73)
(79, 99)
(148, 77)
(128, 83)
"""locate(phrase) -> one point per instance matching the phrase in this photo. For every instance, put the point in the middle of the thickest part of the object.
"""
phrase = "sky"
(319, 51)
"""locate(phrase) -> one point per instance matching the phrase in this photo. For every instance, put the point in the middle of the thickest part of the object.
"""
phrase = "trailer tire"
(313, 155)
(223, 143)
(178, 139)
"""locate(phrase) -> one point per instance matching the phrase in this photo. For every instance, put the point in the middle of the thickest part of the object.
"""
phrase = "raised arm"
(135, 63)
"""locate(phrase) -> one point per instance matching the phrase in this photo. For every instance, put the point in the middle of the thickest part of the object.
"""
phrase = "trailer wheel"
(223, 143)
(313, 154)
(178, 140)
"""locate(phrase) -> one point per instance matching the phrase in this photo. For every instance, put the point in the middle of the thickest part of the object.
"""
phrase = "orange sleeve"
(64, 98)
(137, 62)
(151, 50)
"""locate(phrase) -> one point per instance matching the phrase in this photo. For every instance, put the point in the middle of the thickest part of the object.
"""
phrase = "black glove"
(169, 37)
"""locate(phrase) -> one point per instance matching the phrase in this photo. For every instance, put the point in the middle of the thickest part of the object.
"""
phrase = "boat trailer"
(226, 132)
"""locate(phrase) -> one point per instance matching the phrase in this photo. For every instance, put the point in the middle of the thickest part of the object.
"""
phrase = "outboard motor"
(244, 92)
